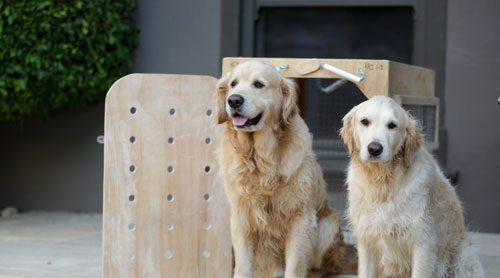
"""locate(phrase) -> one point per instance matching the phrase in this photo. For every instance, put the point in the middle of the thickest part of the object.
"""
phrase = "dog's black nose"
(235, 101)
(375, 148)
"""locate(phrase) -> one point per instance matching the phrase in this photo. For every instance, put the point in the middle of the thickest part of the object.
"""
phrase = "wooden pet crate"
(165, 212)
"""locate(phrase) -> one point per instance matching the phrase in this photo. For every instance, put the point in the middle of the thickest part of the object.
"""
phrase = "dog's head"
(255, 94)
(379, 130)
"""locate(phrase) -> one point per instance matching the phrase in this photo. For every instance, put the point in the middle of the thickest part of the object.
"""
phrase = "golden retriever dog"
(405, 214)
(281, 224)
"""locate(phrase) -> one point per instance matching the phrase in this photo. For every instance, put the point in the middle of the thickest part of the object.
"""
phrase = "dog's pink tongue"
(239, 121)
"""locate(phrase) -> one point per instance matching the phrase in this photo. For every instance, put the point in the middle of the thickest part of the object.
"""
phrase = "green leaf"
(60, 55)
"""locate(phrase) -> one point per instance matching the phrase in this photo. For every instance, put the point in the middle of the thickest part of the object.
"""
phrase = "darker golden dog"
(281, 223)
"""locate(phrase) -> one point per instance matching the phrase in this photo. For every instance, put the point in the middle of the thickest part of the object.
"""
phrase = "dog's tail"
(467, 264)
(331, 250)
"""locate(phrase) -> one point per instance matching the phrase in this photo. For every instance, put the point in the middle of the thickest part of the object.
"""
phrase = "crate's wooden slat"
(410, 80)
(382, 77)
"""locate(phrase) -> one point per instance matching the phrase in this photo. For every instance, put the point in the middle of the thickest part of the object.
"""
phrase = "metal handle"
(498, 100)
(347, 75)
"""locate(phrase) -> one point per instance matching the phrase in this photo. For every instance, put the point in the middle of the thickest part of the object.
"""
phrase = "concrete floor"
(42, 244)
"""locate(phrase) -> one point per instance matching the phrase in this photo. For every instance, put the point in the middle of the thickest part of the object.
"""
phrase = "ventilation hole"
(131, 255)
(206, 197)
(208, 140)
(132, 168)
(131, 226)
(172, 111)
(170, 140)
(131, 197)
(206, 253)
(133, 110)
(170, 169)
(132, 139)
(207, 169)
(169, 255)
(170, 197)
(170, 226)
(209, 112)
(206, 226)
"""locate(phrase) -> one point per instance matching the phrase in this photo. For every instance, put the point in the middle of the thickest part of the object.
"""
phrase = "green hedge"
(59, 55)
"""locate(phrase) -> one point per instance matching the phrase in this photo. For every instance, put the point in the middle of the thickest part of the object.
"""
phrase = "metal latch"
(100, 139)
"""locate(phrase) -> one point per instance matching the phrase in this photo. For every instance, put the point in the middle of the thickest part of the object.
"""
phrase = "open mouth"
(240, 121)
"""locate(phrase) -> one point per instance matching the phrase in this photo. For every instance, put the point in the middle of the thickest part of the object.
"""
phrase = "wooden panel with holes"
(165, 212)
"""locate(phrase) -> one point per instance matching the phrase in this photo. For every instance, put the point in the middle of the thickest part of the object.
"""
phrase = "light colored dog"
(281, 223)
(406, 216)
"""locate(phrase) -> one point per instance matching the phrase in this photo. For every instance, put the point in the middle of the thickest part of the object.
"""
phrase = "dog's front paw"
(279, 273)
(243, 276)
(295, 276)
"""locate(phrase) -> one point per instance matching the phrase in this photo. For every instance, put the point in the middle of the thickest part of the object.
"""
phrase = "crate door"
(165, 212)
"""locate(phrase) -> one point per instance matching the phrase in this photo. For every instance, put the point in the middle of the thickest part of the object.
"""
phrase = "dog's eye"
(365, 122)
(258, 84)
(392, 126)
(234, 83)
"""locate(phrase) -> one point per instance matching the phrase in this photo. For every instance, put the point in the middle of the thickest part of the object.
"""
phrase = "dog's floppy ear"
(347, 130)
(289, 106)
(413, 139)
(220, 102)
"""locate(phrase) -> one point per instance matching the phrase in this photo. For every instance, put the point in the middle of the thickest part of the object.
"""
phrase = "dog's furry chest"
(386, 210)
(389, 230)
(395, 217)
(263, 214)
(262, 204)
(382, 220)
(267, 223)
(389, 226)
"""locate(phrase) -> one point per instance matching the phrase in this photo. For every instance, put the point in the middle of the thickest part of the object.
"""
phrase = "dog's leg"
(468, 264)
(424, 261)
(368, 264)
(242, 251)
(279, 272)
(299, 246)
(330, 250)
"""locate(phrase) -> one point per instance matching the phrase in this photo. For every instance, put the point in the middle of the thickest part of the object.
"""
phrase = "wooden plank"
(170, 227)
(411, 80)
(382, 77)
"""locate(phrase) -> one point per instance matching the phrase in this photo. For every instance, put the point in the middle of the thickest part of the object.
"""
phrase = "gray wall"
(186, 37)
(472, 114)
(56, 164)
(435, 58)
(178, 37)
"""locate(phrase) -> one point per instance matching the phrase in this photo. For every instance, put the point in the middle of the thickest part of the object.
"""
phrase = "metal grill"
(325, 111)
(426, 114)
(324, 118)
